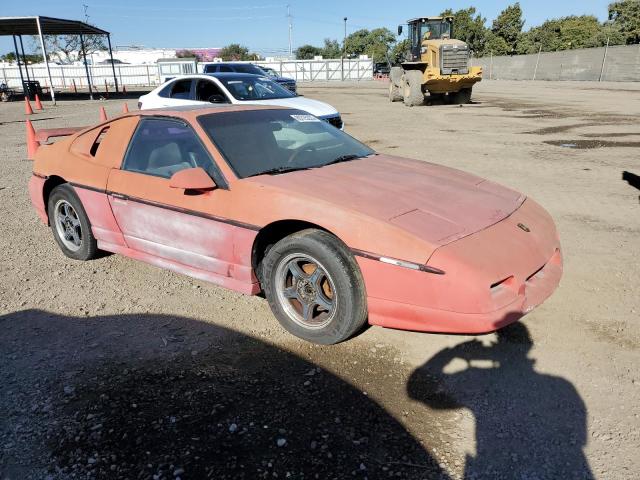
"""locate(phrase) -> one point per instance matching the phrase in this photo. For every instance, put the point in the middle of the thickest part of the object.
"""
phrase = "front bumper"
(492, 278)
(36, 189)
(437, 83)
(291, 86)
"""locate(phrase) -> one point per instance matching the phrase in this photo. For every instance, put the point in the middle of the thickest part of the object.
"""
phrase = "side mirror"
(399, 30)
(192, 179)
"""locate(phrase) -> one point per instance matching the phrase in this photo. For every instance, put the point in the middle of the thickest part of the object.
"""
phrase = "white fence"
(64, 76)
(323, 70)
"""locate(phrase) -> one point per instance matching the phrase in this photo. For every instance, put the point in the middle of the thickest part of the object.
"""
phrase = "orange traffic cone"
(103, 115)
(125, 108)
(27, 106)
(124, 89)
(38, 103)
(32, 144)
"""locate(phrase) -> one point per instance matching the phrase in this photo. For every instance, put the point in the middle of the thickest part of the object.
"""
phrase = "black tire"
(395, 94)
(342, 286)
(80, 244)
(461, 98)
(412, 88)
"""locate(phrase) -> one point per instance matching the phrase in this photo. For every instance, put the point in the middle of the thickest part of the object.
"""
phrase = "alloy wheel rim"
(68, 225)
(306, 291)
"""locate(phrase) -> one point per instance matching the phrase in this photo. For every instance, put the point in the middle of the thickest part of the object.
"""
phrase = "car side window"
(209, 91)
(181, 90)
(162, 147)
(225, 68)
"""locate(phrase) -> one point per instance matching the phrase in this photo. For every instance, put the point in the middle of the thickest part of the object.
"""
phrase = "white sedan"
(233, 88)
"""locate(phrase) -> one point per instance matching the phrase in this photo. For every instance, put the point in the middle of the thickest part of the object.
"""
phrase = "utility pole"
(290, 28)
(604, 59)
(344, 45)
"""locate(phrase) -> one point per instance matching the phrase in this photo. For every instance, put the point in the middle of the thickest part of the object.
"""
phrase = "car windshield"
(270, 71)
(435, 29)
(255, 142)
(247, 88)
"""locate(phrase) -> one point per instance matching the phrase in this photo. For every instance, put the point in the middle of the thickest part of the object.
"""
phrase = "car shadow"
(133, 396)
(528, 425)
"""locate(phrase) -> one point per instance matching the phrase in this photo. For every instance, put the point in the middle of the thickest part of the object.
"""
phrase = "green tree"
(307, 52)
(508, 27)
(625, 17)
(11, 57)
(376, 43)
(496, 45)
(356, 43)
(331, 49)
(584, 31)
(235, 52)
(469, 27)
(68, 48)
(399, 51)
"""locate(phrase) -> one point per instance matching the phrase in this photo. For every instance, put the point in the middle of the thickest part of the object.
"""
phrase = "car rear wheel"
(314, 287)
(70, 224)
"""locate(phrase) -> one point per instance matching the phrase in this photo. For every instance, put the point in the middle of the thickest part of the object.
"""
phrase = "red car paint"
(499, 251)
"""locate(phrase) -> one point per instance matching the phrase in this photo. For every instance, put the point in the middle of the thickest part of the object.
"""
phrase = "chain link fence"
(620, 63)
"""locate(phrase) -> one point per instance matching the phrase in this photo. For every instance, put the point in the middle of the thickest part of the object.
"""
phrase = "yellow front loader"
(435, 64)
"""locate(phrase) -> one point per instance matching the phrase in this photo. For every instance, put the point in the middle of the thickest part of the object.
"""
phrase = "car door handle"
(119, 199)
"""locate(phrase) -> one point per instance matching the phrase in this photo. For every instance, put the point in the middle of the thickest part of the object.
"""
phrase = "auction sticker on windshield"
(305, 118)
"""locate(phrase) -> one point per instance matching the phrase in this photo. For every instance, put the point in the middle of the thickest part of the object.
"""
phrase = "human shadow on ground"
(632, 179)
(528, 425)
(157, 396)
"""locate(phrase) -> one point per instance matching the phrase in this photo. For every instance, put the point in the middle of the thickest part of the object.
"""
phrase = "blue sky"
(262, 25)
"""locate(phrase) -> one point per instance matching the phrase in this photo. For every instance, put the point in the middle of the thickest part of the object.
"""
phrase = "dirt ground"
(116, 369)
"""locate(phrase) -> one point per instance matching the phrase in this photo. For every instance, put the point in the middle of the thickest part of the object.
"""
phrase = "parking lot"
(117, 369)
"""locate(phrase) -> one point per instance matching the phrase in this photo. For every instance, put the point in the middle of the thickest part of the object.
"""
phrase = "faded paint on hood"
(432, 202)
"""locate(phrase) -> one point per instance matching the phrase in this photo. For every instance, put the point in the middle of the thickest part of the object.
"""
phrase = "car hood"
(314, 107)
(435, 203)
(284, 80)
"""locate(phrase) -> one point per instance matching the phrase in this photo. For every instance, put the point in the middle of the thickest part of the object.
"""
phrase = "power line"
(157, 8)
(259, 17)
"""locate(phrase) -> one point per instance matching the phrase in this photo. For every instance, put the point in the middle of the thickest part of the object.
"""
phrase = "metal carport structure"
(41, 26)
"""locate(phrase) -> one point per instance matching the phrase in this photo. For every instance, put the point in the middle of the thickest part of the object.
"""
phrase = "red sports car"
(275, 200)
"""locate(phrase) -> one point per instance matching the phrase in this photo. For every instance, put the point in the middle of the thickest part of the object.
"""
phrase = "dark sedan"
(240, 67)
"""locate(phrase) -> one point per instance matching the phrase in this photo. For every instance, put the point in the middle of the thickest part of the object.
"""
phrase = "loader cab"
(426, 28)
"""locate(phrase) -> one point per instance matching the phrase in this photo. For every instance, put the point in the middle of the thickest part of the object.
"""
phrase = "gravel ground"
(116, 369)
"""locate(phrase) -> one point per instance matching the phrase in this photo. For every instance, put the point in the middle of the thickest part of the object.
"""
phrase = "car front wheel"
(314, 287)
(70, 224)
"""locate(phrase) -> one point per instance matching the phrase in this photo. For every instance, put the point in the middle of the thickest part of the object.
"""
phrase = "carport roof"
(50, 26)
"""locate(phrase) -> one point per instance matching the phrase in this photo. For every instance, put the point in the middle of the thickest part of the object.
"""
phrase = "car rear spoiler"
(37, 138)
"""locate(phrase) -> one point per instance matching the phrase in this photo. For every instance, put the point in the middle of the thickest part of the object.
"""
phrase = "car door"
(165, 223)
(178, 93)
(208, 91)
